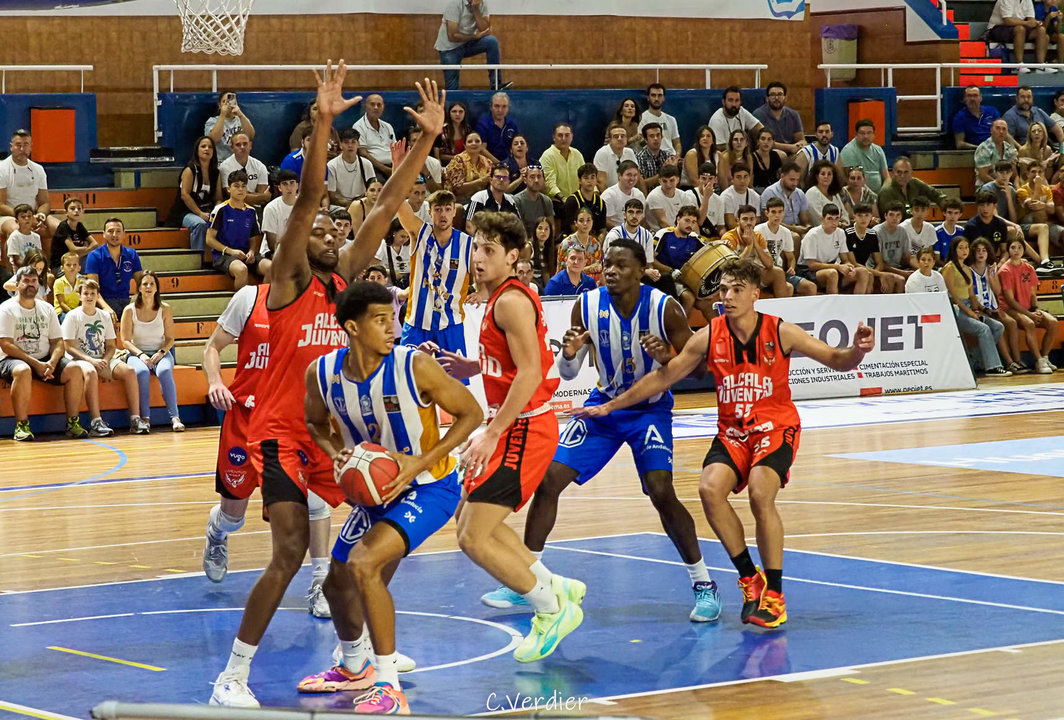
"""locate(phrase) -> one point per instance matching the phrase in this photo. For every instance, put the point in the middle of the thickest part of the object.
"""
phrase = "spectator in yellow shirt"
(747, 242)
(65, 288)
(560, 165)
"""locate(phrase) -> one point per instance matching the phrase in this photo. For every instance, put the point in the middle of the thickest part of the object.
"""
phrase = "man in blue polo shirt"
(496, 129)
(971, 124)
(114, 266)
(571, 279)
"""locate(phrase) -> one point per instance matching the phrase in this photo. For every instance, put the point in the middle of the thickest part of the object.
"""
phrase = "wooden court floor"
(963, 519)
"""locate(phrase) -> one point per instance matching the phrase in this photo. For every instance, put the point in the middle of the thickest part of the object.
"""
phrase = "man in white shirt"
(432, 172)
(704, 197)
(417, 202)
(780, 245)
(258, 176)
(229, 121)
(376, 136)
(609, 157)
(665, 201)
(615, 196)
(24, 182)
(348, 174)
(275, 214)
(739, 193)
(466, 31)
(732, 116)
(830, 262)
(921, 233)
(1013, 21)
(670, 131)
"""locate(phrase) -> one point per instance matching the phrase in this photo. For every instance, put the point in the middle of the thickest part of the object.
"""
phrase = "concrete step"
(151, 177)
(197, 304)
(170, 260)
(133, 217)
(157, 239)
(952, 191)
(194, 281)
(195, 327)
(159, 198)
(190, 352)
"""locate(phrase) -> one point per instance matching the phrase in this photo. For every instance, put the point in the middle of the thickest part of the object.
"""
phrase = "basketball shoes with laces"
(707, 602)
(383, 699)
(772, 612)
(753, 588)
(338, 679)
(231, 690)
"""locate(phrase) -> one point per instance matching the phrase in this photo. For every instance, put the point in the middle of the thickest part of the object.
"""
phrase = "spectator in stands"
(921, 233)
(863, 151)
(610, 156)
(90, 341)
(703, 150)
(745, 240)
(452, 139)
(342, 220)
(989, 225)
(531, 203)
(199, 191)
(1019, 287)
(998, 147)
(517, 163)
(738, 194)
(617, 195)
(631, 229)
(560, 162)
(823, 187)
(903, 187)
(114, 265)
(275, 214)
(469, 171)
(394, 257)
(376, 135)
(64, 290)
(1013, 22)
(228, 122)
(71, 235)
(710, 207)
(241, 159)
(31, 347)
(1058, 107)
(673, 247)
(1034, 199)
(665, 200)
(1037, 147)
(780, 245)
(856, 192)
(583, 237)
(949, 229)
(782, 121)
(377, 274)
(824, 249)
(654, 156)
(34, 258)
(586, 196)
(466, 31)
(571, 280)
(1009, 209)
(795, 206)
(926, 279)
(416, 200)
(627, 114)
(348, 173)
(294, 160)
(732, 116)
(148, 335)
(970, 314)
(310, 117)
(1051, 21)
(737, 153)
(981, 262)
(493, 198)
(820, 149)
(360, 208)
(971, 124)
(234, 235)
(1001, 185)
(496, 129)
(1020, 116)
(24, 182)
(766, 160)
(894, 243)
(525, 275)
(432, 172)
(544, 248)
(670, 131)
(22, 239)
(863, 243)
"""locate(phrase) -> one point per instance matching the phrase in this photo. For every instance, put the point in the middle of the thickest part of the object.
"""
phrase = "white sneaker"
(139, 426)
(215, 557)
(404, 663)
(233, 691)
(1042, 367)
(1024, 70)
(177, 424)
(1052, 367)
(317, 605)
(1048, 69)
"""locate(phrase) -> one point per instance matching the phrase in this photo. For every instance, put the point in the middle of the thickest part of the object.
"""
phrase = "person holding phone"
(229, 121)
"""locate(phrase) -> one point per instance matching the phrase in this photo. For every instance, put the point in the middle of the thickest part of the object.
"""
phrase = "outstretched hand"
(331, 100)
(864, 340)
(432, 114)
(398, 150)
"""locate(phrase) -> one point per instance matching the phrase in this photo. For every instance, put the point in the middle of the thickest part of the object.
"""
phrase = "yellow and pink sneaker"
(383, 699)
(338, 678)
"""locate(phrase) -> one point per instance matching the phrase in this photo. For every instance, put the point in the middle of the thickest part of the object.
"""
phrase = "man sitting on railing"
(466, 31)
(1013, 21)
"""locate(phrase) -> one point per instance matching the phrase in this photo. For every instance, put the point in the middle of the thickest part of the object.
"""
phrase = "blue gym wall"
(15, 114)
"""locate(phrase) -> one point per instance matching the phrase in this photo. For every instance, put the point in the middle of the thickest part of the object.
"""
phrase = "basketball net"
(213, 26)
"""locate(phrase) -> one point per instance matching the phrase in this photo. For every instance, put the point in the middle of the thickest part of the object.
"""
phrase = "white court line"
(68, 620)
(924, 532)
(114, 505)
(32, 712)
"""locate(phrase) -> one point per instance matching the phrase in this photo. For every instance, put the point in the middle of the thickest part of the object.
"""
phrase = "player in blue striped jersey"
(627, 326)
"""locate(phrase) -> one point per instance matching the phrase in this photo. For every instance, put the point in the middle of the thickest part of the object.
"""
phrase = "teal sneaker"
(707, 602)
(548, 629)
(503, 597)
(22, 431)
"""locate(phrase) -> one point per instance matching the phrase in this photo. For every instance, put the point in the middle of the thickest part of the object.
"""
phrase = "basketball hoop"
(213, 26)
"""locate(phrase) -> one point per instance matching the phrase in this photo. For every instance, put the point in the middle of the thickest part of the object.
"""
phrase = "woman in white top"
(148, 335)
(823, 187)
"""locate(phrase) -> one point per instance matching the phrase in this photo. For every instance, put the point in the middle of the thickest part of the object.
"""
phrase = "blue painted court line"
(635, 638)
(38, 490)
(1042, 456)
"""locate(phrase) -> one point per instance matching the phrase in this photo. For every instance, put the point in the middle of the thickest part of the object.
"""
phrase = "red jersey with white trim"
(497, 366)
(299, 333)
(753, 388)
(252, 350)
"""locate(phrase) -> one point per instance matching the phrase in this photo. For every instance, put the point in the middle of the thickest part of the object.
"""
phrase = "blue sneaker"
(502, 597)
(707, 602)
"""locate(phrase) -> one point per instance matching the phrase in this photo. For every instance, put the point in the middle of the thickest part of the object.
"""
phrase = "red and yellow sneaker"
(753, 587)
(383, 699)
(772, 612)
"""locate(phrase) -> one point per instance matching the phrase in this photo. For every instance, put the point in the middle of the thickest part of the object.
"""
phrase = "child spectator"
(90, 343)
(894, 242)
(148, 335)
(747, 242)
(342, 220)
(275, 214)
(665, 200)
(1019, 285)
(23, 238)
(234, 234)
(921, 233)
(926, 279)
(394, 255)
(949, 229)
(377, 274)
(780, 245)
(35, 259)
(71, 236)
(971, 317)
(583, 237)
(631, 229)
(981, 262)
(571, 280)
(829, 259)
(863, 242)
(65, 287)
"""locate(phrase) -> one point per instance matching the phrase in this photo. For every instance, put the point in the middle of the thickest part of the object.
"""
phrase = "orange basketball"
(368, 470)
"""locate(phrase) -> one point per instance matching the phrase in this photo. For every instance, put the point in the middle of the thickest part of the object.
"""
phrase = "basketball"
(368, 470)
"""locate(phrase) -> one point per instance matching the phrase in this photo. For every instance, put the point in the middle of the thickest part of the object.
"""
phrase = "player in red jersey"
(757, 424)
(309, 269)
(506, 462)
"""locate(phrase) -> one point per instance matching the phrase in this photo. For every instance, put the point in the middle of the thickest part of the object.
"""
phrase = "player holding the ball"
(377, 393)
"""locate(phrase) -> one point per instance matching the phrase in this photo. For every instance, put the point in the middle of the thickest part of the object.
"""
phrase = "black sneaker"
(998, 372)
(1018, 368)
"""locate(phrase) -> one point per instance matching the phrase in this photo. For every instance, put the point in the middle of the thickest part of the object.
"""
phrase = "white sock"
(354, 654)
(387, 667)
(240, 659)
(541, 572)
(221, 523)
(537, 554)
(698, 571)
(542, 598)
(321, 569)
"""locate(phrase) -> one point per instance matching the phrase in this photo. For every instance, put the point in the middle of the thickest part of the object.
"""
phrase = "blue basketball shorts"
(450, 338)
(587, 444)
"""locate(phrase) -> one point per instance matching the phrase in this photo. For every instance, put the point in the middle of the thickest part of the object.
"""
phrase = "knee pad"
(316, 507)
